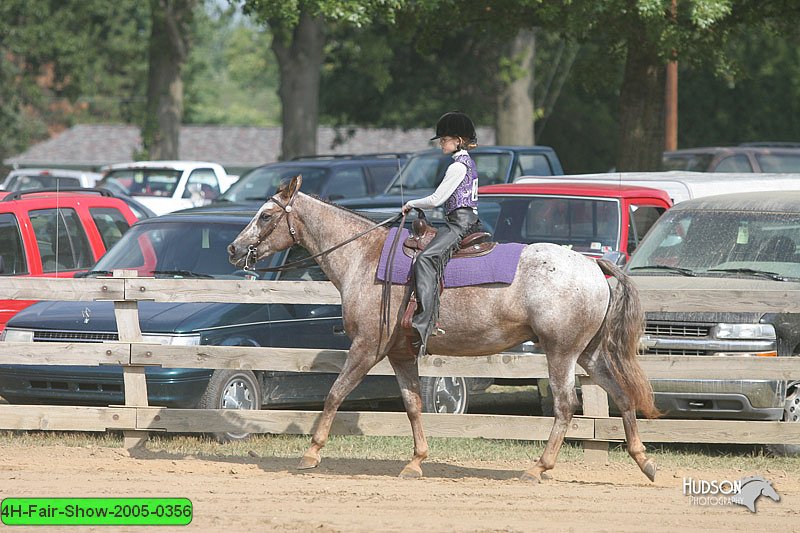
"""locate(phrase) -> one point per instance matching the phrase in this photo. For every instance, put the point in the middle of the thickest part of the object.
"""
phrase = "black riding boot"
(429, 269)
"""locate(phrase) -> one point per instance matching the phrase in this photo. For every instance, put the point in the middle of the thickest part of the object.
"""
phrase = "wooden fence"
(136, 418)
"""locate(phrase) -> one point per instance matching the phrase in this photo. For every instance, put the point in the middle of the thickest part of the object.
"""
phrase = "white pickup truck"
(166, 186)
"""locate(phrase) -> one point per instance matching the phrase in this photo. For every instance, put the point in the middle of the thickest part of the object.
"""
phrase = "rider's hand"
(406, 208)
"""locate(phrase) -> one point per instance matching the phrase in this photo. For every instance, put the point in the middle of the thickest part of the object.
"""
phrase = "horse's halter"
(287, 214)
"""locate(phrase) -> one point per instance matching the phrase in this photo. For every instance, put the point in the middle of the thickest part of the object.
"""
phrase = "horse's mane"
(324, 201)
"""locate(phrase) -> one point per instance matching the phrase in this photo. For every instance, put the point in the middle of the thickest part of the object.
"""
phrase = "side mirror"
(616, 257)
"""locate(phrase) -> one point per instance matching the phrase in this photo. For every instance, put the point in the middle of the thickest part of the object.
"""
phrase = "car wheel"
(791, 413)
(444, 394)
(232, 389)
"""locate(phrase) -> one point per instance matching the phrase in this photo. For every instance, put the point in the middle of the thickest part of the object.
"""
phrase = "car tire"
(791, 413)
(232, 389)
(444, 394)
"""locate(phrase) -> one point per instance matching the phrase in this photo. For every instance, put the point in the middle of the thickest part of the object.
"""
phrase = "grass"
(673, 456)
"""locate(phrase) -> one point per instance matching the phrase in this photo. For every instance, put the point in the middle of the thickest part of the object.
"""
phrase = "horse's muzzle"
(236, 255)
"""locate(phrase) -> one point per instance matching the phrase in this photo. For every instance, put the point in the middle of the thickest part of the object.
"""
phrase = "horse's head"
(271, 230)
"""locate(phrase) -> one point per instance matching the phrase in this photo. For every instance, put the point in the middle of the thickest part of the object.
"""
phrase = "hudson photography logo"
(724, 492)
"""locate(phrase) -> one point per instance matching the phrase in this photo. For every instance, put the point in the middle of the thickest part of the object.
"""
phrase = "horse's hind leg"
(359, 361)
(562, 383)
(597, 367)
(407, 374)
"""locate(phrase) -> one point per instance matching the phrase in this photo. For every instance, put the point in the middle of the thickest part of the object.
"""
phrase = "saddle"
(472, 245)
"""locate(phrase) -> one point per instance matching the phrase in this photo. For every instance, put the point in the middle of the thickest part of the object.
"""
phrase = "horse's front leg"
(358, 363)
(407, 374)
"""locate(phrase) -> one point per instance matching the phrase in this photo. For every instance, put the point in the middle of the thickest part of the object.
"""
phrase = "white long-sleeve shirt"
(452, 178)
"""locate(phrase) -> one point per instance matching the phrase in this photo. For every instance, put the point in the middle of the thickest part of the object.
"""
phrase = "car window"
(492, 168)
(11, 250)
(585, 225)
(142, 181)
(424, 171)
(346, 183)
(111, 224)
(42, 181)
(61, 239)
(202, 185)
(734, 163)
(260, 183)
(779, 162)
(692, 162)
(641, 220)
(381, 175)
(534, 165)
(310, 272)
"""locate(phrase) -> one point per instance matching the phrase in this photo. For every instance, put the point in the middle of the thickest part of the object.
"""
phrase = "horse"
(752, 488)
(558, 298)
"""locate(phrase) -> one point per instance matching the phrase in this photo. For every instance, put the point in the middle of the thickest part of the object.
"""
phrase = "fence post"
(595, 404)
(127, 314)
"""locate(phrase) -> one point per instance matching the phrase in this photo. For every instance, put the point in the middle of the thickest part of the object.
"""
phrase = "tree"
(169, 51)
(299, 32)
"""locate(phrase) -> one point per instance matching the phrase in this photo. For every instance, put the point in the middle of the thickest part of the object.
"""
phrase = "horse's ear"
(289, 189)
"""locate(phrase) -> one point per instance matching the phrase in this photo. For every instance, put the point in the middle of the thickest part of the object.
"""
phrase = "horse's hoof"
(307, 462)
(410, 472)
(530, 477)
(546, 476)
(649, 469)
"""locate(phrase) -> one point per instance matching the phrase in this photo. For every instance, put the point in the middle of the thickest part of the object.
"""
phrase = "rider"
(458, 191)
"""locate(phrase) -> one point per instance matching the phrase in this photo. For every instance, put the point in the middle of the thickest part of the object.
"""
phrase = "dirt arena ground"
(268, 494)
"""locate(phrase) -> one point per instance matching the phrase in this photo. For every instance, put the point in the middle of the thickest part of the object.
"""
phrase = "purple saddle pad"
(498, 266)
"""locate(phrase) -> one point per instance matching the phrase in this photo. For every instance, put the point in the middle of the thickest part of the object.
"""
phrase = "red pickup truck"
(51, 234)
(593, 219)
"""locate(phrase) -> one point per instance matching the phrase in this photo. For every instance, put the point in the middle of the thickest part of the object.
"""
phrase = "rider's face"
(448, 144)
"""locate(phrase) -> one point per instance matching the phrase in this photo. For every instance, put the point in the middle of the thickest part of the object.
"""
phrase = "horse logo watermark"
(745, 491)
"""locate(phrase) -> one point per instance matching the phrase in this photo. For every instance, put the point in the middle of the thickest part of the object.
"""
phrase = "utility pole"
(671, 97)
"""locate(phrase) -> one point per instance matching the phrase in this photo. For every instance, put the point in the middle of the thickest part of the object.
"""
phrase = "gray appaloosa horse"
(559, 298)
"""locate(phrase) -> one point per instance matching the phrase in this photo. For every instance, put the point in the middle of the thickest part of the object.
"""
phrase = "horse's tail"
(620, 335)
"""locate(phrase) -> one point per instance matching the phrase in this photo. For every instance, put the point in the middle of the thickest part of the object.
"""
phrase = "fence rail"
(136, 418)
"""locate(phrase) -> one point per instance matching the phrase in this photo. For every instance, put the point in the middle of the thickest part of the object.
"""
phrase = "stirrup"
(437, 330)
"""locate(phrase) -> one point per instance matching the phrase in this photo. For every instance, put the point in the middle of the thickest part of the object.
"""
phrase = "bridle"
(286, 213)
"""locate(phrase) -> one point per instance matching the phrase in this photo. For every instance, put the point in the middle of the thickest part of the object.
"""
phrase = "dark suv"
(749, 157)
(192, 244)
(330, 177)
(424, 171)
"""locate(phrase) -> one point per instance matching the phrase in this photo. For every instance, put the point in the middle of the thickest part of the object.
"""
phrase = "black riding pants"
(429, 267)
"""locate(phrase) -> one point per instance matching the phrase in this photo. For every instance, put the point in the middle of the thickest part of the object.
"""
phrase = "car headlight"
(17, 335)
(172, 340)
(744, 331)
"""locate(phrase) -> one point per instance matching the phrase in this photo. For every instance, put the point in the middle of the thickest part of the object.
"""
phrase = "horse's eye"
(265, 216)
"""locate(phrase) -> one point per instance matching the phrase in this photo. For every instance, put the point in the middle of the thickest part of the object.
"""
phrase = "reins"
(287, 209)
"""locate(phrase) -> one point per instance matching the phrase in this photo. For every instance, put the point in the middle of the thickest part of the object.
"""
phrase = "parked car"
(751, 157)
(24, 179)
(424, 171)
(186, 245)
(44, 233)
(166, 186)
(736, 242)
(329, 177)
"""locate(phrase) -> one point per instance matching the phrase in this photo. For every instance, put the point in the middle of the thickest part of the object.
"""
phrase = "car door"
(303, 326)
(642, 214)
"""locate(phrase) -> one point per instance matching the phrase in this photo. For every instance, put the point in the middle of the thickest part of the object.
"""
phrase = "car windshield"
(586, 225)
(142, 181)
(709, 242)
(174, 249)
(690, 162)
(260, 183)
(425, 171)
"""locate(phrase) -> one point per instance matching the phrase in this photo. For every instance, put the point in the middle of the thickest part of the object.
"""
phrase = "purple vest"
(466, 194)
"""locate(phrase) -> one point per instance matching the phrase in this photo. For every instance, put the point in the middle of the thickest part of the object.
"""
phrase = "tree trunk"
(300, 56)
(641, 109)
(169, 49)
(515, 110)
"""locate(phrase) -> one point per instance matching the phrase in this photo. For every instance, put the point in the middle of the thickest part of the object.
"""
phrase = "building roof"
(90, 146)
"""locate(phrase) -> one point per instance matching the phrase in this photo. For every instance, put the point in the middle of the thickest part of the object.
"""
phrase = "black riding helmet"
(455, 124)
